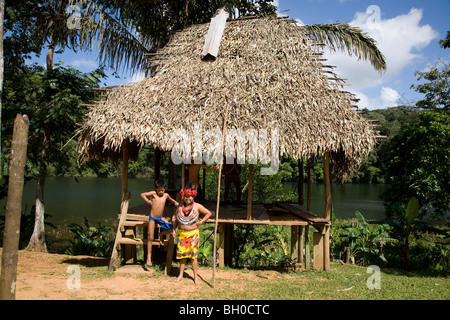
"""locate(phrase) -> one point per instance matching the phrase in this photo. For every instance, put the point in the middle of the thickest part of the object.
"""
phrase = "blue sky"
(407, 32)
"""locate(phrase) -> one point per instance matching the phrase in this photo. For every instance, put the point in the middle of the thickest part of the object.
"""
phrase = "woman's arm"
(205, 212)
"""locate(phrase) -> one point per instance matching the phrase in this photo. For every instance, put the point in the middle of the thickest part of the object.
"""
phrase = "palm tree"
(343, 37)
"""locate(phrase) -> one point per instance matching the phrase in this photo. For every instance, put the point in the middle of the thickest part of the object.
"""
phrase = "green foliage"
(413, 232)
(436, 90)
(89, 240)
(445, 43)
(366, 241)
(51, 99)
(417, 163)
(205, 249)
(26, 226)
(260, 246)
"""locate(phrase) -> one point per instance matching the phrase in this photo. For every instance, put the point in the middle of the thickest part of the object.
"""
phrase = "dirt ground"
(43, 276)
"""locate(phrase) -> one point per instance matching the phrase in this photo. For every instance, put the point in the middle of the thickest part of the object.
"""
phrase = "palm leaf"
(345, 38)
(119, 44)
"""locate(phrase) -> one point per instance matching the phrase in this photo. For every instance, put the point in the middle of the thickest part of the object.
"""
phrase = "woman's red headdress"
(188, 192)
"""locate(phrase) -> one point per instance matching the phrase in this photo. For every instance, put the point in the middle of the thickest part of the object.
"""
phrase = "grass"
(347, 282)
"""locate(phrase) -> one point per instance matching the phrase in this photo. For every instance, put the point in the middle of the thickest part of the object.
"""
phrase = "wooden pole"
(300, 182)
(183, 175)
(250, 192)
(308, 207)
(114, 260)
(327, 212)
(218, 198)
(157, 165)
(308, 192)
(13, 208)
(326, 182)
(125, 158)
(2, 18)
(297, 231)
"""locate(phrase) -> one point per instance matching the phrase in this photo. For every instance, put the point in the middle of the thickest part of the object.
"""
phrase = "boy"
(159, 198)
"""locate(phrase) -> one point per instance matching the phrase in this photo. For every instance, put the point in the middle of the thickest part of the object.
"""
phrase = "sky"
(407, 33)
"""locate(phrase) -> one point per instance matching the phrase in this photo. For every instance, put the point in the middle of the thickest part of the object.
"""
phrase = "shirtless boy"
(159, 198)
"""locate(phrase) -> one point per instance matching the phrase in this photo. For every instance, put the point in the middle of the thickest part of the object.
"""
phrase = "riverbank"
(42, 276)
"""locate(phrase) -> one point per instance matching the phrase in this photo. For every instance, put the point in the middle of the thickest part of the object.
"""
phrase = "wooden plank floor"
(238, 215)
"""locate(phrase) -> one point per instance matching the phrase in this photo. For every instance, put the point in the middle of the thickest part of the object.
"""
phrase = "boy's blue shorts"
(163, 224)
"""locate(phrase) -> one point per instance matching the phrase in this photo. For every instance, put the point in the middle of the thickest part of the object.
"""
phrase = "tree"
(417, 163)
(445, 43)
(437, 90)
(51, 99)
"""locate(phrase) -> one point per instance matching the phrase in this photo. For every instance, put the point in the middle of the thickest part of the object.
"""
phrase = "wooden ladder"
(126, 240)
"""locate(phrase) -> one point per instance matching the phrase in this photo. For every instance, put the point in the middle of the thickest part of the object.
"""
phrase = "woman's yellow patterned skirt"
(187, 245)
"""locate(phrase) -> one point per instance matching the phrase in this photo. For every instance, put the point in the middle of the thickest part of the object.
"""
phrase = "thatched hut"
(268, 74)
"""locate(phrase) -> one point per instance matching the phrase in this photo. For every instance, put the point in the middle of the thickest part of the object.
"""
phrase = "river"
(68, 200)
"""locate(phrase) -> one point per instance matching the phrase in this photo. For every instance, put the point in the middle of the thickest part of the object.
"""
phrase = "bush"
(89, 240)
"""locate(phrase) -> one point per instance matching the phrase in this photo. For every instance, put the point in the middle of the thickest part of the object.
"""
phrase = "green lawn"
(347, 282)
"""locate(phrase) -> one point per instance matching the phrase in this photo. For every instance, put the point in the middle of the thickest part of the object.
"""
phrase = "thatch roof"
(268, 72)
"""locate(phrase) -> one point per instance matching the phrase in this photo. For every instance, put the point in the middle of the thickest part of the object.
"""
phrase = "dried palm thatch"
(269, 74)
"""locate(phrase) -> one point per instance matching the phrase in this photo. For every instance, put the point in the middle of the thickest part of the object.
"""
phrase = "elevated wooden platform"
(283, 214)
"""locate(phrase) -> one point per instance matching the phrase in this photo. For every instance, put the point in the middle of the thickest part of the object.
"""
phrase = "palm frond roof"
(268, 73)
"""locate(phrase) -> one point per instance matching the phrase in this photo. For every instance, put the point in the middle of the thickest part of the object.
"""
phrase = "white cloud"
(399, 39)
(136, 77)
(387, 98)
(299, 22)
(83, 63)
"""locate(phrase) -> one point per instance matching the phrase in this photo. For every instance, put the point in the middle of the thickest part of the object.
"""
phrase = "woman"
(187, 221)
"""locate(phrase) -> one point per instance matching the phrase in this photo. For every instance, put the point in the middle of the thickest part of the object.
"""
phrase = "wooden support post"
(157, 165)
(326, 248)
(326, 182)
(228, 244)
(183, 175)
(125, 159)
(301, 246)
(169, 254)
(129, 253)
(318, 250)
(172, 179)
(327, 212)
(204, 185)
(14, 208)
(250, 192)
(308, 197)
(300, 182)
(307, 249)
(295, 242)
(297, 231)
(115, 261)
(225, 244)
(221, 245)
(308, 207)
